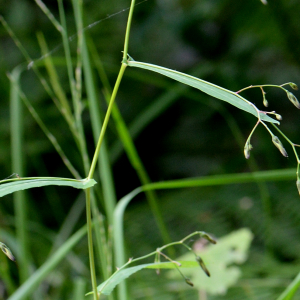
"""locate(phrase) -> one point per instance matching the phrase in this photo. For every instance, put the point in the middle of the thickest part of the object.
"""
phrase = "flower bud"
(188, 281)
(293, 86)
(279, 145)
(248, 147)
(202, 265)
(209, 238)
(7, 252)
(293, 99)
(298, 185)
(265, 101)
(278, 117)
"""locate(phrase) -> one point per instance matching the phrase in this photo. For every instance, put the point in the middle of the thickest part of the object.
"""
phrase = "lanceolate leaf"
(206, 87)
(107, 286)
(13, 185)
(290, 291)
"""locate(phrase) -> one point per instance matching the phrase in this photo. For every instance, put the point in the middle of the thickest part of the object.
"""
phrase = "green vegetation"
(76, 121)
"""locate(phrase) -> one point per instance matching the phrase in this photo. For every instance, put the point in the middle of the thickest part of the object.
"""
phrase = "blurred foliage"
(233, 44)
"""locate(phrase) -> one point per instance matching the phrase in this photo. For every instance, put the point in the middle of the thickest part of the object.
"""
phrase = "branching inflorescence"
(276, 141)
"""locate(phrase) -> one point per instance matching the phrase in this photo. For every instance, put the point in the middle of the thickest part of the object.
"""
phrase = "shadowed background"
(232, 44)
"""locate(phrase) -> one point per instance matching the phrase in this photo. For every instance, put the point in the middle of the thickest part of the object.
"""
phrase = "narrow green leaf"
(290, 291)
(49, 265)
(206, 87)
(12, 185)
(108, 286)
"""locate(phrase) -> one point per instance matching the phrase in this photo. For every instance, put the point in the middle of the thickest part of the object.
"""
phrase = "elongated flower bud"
(293, 86)
(7, 252)
(298, 185)
(265, 101)
(248, 147)
(209, 238)
(188, 281)
(293, 99)
(279, 145)
(202, 265)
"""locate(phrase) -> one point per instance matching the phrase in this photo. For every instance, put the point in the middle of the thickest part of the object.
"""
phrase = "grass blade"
(20, 204)
(291, 289)
(286, 174)
(206, 87)
(28, 287)
(105, 170)
(12, 185)
(108, 286)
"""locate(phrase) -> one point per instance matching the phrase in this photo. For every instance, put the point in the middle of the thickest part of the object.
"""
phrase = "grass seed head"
(293, 99)
(202, 265)
(248, 147)
(279, 145)
(7, 251)
(293, 86)
(298, 185)
(188, 281)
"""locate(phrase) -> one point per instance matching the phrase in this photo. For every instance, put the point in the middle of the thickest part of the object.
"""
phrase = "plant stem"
(114, 93)
(99, 143)
(90, 242)
(20, 205)
(106, 119)
(126, 42)
(132, 153)
(261, 86)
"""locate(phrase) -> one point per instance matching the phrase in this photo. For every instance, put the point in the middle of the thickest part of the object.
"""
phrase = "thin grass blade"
(28, 287)
(12, 185)
(290, 291)
(108, 286)
(206, 87)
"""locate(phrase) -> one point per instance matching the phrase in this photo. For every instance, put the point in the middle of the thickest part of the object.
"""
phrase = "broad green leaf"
(107, 286)
(206, 87)
(13, 185)
(219, 260)
(290, 291)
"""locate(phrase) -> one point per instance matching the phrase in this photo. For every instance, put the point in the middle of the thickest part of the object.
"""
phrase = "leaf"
(219, 259)
(25, 290)
(108, 286)
(12, 185)
(290, 291)
(206, 87)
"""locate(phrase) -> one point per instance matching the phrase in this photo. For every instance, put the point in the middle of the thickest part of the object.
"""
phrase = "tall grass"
(104, 214)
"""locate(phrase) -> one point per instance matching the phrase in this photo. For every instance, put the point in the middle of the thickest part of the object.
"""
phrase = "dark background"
(233, 44)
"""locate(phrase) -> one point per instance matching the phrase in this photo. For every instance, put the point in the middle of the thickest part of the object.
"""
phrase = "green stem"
(126, 42)
(106, 119)
(49, 135)
(101, 138)
(261, 86)
(96, 121)
(90, 242)
(18, 166)
(75, 95)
